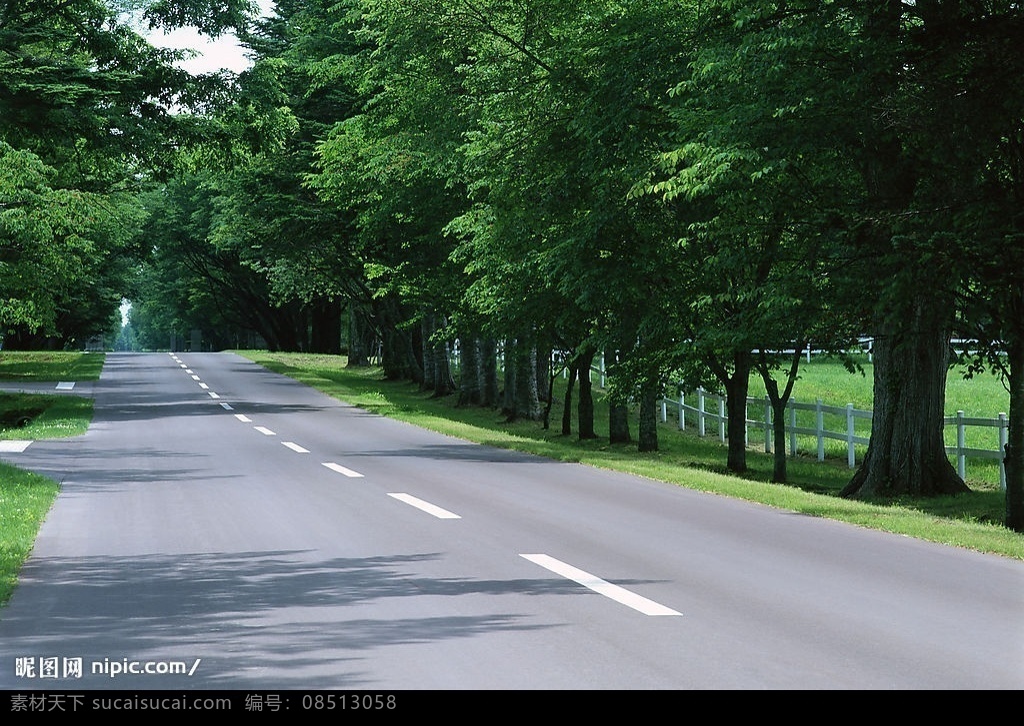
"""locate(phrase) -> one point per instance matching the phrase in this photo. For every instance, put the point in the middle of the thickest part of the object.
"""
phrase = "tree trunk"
(906, 454)
(585, 407)
(618, 411)
(325, 326)
(508, 405)
(778, 400)
(427, 328)
(488, 373)
(618, 423)
(736, 387)
(647, 426)
(469, 373)
(567, 408)
(527, 398)
(358, 355)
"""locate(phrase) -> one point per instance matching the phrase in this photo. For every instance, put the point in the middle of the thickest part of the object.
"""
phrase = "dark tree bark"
(906, 454)
(567, 402)
(469, 372)
(736, 381)
(778, 400)
(527, 399)
(488, 373)
(618, 411)
(429, 373)
(325, 326)
(618, 423)
(585, 407)
(358, 353)
(647, 426)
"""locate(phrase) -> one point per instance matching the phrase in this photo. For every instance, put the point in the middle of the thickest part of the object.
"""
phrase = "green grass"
(25, 497)
(48, 416)
(50, 366)
(971, 521)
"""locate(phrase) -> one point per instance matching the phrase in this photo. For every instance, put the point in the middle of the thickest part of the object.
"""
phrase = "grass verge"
(971, 521)
(25, 498)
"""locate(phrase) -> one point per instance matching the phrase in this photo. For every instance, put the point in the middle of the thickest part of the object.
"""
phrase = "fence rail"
(701, 416)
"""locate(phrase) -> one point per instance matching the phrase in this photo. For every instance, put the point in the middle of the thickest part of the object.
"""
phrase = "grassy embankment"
(972, 521)
(25, 498)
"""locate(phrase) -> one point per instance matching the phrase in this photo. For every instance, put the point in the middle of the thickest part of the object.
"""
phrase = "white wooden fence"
(701, 416)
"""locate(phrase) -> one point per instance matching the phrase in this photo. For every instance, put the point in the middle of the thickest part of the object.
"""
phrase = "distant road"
(234, 523)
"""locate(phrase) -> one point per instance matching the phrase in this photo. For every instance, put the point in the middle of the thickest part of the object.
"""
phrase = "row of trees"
(683, 186)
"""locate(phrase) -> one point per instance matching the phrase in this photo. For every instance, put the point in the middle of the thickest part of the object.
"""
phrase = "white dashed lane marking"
(264, 430)
(243, 418)
(342, 470)
(295, 447)
(424, 506)
(616, 593)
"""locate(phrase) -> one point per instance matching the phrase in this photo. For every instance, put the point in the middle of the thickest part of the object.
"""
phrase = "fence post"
(664, 410)
(1002, 450)
(602, 370)
(768, 425)
(721, 419)
(819, 426)
(961, 457)
(747, 418)
(701, 426)
(851, 458)
(792, 427)
(682, 413)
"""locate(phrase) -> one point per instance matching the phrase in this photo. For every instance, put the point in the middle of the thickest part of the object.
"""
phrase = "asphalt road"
(232, 522)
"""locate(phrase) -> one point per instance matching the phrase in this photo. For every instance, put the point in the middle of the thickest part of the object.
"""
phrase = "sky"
(221, 53)
(215, 55)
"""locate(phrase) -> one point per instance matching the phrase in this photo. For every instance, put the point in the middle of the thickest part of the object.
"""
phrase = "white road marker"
(226, 406)
(295, 447)
(616, 593)
(243, 418)
(14, 447)
(195, 377)
(213, 395)
(342, 470)
(204, 386)
(425, 506)
(184, 366)
(65, 385)
(264, 430)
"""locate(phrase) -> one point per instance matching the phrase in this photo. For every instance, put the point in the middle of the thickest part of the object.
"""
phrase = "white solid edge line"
(243, 418)
(425, 506)
(342, 470)
(295, 447)
(616, 593)
(264, 430)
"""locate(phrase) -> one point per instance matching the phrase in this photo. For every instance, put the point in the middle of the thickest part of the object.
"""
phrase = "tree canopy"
(684, 187)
